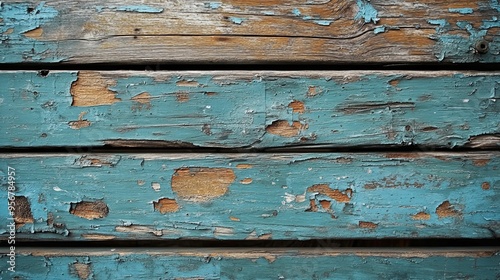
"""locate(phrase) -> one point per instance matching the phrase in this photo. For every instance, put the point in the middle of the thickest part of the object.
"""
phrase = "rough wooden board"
(248, 109)
(245, 31)
(257, 263)
(254, 196)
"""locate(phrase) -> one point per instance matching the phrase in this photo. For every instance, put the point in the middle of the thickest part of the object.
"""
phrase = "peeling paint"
(139, 9)
(463, 11)
(366, 11)
(237, 20)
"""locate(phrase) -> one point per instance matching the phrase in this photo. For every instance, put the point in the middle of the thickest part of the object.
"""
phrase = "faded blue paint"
(441, 22)
(323, 22)
(139, 9)
(379, 29)
(213, 5)
(366, 11)
(268, 13)
(36, 110)
(296, 12)
(19, 18)
(387, 190)
(201, 263)
(236, 20)
(463, 11)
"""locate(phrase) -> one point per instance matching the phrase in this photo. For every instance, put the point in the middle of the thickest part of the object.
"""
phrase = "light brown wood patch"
(337, 195)
(285, 129)
(166, 205)
(92, 89)
(89, 209)
(369, 225)
(421, 216)
(201, 183)
(22, 211)
(445, 209)
(82, 270)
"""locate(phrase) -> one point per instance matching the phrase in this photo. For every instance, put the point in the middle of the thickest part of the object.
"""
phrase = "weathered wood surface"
(248, 109)
(245, 31)
(257, 263)
(253, 196)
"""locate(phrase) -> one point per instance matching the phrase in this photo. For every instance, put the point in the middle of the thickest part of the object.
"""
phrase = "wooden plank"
(246, 109)
(255, 263)
(246, 31)
(252, 196)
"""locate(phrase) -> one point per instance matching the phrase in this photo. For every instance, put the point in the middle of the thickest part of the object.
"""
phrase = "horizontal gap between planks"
(315, 243)
(274, 150)
(294, 66)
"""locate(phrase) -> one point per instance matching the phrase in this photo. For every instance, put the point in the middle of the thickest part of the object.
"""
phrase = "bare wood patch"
(187, 83)
(89, 209)
(22, 211)
(284, 129)
(202, 183)
(337, 195)
(421, 216)
(246, 181)
(165, 205)
(82, 270)
(136, 229)
(98, 236)
(92, 89)
(485, 186)
(481, 162)
(370, 225)
(297, 106)
(80, 123)
(182, 96)
(34, 34)
(446, 209)
(244, 166)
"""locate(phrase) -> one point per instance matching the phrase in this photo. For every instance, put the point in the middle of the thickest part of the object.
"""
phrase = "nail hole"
(482, 46)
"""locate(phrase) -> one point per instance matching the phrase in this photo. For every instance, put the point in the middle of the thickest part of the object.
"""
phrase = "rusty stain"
(369, 225)
(234, 219)
(246, 181)
(34, 34)
(244, 166)
(481, 162)
(485, 186)
(80, 123)
(166, 205)
(297, 106)
(337, 195)
(89, 209)
(186, 83)
(284, 129)
(92, 89)
(22, 211)
(82, 270)
(201, 183)
(445, 209)
(182, 96)
(421, 216)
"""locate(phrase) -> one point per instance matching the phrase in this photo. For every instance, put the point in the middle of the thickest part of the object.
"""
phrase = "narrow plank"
(246, 31)
(252, 196)
(257, 263)
(246, 109)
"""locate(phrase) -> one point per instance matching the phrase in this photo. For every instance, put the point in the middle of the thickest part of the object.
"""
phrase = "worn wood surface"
(245, 31)
(256, 263)
(253, 196)
(248, 109)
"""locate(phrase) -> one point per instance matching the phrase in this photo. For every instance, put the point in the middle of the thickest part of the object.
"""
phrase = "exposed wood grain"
(291, 263)
(246, 109)
(341, 31)
(290, 196)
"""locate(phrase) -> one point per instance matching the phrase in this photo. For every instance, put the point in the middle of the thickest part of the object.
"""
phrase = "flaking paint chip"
(201, 183)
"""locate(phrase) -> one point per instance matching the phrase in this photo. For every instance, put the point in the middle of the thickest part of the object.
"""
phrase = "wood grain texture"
(292, 263)
(245, 31)
(246, 109)
(253, 196)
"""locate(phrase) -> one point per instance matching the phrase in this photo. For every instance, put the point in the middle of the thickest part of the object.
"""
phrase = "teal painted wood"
(248, 109)
(253, 196)
(246, 32)
(257, 263)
